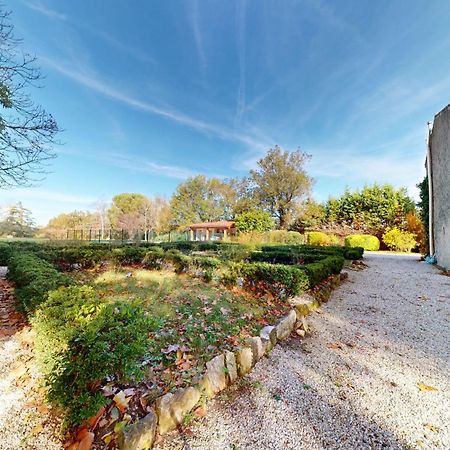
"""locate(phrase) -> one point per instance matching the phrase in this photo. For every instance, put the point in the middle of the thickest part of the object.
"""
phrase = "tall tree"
(200, 199)
(130, 212)
(280, 182)
(18, 222)
(424, 212)
(27, 131)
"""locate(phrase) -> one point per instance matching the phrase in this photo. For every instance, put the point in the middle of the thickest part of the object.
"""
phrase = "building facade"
(438, 169)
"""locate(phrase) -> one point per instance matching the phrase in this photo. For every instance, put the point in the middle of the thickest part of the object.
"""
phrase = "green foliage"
(272, 237)
(130, 254)
(424, 211)
(200, 199)
(180, 262)
(5, 253)
(254, 220)
(278, 279)
(82, 341)
(280, 182)
(18, 222)
(321, 270)
(83, 257)
(154, 258)
(366, 241)
(399, 240)
(373, 208)
(33, 278)
(310, 214)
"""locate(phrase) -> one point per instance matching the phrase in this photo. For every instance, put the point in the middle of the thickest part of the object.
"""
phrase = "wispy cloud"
(240, 42)
(194, 17)
(46, 11)
(93, 82)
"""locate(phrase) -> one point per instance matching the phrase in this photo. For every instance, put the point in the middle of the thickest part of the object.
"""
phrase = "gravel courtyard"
(374, 373)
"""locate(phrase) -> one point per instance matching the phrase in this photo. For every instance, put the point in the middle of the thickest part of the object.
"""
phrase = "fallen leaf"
(108, 437)
(93, 421)
(432, 428)
(171, 348)
(86, 442)
(121, 401)
(335, 345)
(37, 429)
(129, 391)
(199, 412)
(426, 387)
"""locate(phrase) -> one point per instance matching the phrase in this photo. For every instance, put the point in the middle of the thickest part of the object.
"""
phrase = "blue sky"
(150, 93)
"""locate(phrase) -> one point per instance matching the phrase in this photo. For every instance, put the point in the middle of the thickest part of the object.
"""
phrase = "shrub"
(154, 258)
(366, 241)
(318, 238)
(83, 256)
(277, 279)
(272, 237)
(353, 253)
(180, 262)
(231, 251)
(254, 220)
(399, 240)
(33, 278)
(5, 253)
(129, 254)
(321, 270)
(82, 341)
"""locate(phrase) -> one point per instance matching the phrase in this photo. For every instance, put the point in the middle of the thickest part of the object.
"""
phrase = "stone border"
(169, 410)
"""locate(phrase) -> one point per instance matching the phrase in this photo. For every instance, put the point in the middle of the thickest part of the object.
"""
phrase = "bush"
(129, 254)
(277, 279)
(399, 240)
(254, 220)
(272, 237)
(366, 241)
(318, 238)
(321, 270)
(5, 253)
(231, 251)
(180, 262)
(33, 278)
(82, 257)
(82, 341)
(154, 258)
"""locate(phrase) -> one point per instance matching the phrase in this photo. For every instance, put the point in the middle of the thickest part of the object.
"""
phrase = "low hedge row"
(83, 341)
(33, 278)
(351, 253)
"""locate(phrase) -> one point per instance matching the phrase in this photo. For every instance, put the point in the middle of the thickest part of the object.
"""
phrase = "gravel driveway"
(373, 373)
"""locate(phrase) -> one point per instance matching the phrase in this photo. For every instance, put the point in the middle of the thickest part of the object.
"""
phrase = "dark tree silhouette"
(27, 131)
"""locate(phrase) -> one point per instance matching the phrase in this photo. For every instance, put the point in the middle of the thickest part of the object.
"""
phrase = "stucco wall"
(440, 169)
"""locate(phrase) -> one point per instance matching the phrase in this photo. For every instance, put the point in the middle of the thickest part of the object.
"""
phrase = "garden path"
(372, 374)
(25, 422)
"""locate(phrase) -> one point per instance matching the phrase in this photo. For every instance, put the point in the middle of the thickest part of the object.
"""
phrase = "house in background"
(211, 231)
(438, 170)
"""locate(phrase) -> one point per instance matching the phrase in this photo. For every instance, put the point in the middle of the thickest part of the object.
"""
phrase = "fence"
(111, 235)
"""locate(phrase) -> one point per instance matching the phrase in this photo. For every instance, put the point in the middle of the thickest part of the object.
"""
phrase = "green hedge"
(366, 241)
(321, 270)
(33, 278)
(277, 279)
(82, 342)
(5, 253)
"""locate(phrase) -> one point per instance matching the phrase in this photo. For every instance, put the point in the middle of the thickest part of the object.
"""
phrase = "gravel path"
(25, 421)
(355, 382)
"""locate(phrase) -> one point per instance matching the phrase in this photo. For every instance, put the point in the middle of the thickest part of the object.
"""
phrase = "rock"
(300, 332)
(305, 324)
(244, 359)
(206, 387)
(217, 373)
(230, 363)
(171, 408)
(268, 337)
(286, 325)
(303, 308)
(257, 349)
(140, 435)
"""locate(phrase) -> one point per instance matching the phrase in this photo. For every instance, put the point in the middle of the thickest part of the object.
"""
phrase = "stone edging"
(169, 410)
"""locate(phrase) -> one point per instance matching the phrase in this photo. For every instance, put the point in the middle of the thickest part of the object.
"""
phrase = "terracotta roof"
(219, 224)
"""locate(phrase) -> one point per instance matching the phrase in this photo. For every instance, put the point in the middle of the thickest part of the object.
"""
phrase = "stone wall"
(440, 179)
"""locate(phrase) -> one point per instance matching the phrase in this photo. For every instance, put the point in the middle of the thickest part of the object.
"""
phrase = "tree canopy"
(254, 220)
(280, 182)
(18, 222)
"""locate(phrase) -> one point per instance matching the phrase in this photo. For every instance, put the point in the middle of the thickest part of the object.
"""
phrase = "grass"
(196, 320)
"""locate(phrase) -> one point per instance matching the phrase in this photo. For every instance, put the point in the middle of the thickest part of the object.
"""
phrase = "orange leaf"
(200, 412)
(93, 421)
(87, 441)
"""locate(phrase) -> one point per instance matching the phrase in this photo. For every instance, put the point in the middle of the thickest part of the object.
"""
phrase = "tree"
(58, 226)
(424, 211)
(130, 212)
(27, 131)
(254, 220)
(280, 182)
(18, 222)
(200, 199)
(371, 209)
(310, 214)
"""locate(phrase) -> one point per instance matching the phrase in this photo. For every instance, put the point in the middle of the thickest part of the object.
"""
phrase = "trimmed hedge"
(366, 241)
(33, 278)
(321, 270)
(5, 253)
(83, 341)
